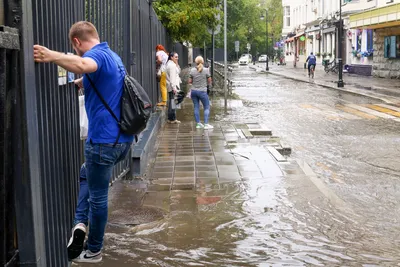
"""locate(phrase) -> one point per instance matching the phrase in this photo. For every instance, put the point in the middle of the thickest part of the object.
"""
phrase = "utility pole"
(213, 57)
(340, 43)
(225, 60)
(266, 23)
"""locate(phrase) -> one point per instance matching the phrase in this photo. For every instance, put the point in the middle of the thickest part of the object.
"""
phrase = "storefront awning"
(289, 40)
(376, 18)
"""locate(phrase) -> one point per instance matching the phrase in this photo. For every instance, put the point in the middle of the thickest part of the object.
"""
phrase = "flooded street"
(355, 152)
(229, 202)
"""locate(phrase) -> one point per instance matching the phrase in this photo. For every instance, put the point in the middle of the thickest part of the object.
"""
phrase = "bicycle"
(312, 69)
(331, 66)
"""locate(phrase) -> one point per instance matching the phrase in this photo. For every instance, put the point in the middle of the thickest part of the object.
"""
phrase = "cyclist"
(312, 61)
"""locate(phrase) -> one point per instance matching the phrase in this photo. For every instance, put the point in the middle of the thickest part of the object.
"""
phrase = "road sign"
(236, 46)
(248, 46)
(216, 30)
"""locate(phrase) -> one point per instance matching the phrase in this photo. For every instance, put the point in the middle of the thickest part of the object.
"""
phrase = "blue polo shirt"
(109, 81)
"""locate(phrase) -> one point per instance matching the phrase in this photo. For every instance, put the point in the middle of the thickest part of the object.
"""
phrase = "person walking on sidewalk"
(103, 148)
(173, 81)
(199, 78)
(161, 59)
(312, 61)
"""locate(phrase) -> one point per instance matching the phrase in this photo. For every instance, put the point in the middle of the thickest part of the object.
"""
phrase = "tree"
(187, 20)
(245, 25)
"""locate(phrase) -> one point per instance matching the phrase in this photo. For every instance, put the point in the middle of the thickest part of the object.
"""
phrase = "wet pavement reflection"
(227, 201)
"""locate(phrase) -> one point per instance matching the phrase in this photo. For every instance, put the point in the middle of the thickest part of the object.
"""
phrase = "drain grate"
(136, 216)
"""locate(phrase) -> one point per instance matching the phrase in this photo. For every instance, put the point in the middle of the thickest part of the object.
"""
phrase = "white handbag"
(83, 119)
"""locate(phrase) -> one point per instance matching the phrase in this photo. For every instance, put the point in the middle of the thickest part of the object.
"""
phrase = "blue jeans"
(198, 96)
(94, 180)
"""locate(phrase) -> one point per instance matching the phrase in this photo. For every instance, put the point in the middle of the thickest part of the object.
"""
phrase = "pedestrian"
(312, 61)
(199, 78)
(105, 145)
(161, 62)
(173, 85)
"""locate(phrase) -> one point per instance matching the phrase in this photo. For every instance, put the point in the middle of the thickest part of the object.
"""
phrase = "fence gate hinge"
(133, 58)
(9, 38)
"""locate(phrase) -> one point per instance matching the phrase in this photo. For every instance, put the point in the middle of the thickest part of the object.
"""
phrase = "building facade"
(314, 28)
(376, 37)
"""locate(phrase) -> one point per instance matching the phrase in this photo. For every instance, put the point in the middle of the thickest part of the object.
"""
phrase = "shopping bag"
(83, 119)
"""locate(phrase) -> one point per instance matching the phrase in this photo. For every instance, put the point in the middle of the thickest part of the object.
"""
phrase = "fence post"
(28, 198)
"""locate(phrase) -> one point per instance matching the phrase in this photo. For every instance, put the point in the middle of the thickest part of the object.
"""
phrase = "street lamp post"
(340, 59)
(225, 60)
(266, 37)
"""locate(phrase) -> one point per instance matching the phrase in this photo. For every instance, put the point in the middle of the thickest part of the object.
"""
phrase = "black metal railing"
(9, 46)
(39, 122)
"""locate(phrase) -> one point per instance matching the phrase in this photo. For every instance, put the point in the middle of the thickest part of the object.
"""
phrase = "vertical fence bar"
(3, 161)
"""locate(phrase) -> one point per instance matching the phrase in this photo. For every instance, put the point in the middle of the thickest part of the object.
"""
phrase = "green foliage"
(246, 26)
(187, 20)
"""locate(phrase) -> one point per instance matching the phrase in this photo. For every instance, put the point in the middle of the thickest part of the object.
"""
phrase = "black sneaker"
(75, 244)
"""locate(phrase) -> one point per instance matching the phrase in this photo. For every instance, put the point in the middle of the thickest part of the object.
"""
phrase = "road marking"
(389, 107)
(329, 115)
(355, 112)
(371, 111)
(331, 110)
(307, 106)
(384, 110)
(333, 175)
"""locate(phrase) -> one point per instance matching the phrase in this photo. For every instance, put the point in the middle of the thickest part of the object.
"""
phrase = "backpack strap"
(107, 107)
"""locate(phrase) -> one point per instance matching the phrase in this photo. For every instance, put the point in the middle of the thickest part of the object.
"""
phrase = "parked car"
(262, 58)
(245, 59)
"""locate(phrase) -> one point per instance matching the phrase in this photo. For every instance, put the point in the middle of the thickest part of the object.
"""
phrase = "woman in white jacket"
(173, 84)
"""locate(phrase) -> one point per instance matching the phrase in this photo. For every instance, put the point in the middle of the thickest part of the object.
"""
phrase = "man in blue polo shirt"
(105, 145)
(312, 61)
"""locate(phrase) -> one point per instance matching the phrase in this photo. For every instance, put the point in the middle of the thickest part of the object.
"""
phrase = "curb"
(383, 98)
(143, 149)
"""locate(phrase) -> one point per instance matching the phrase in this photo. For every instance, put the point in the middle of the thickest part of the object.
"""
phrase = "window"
(287, 10)
(359, 39)
(370, 39)
(392, 47)
(287, 16)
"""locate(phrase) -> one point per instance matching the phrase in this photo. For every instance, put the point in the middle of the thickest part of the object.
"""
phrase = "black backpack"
(136, 107)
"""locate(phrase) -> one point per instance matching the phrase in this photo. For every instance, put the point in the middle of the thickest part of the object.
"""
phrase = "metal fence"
(8, 87)
(183, 54)
(39, 129)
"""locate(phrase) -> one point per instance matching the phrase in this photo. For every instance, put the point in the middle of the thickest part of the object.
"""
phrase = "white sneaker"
(89, 257)
(75, 244)
(208, 127)
(199, 126)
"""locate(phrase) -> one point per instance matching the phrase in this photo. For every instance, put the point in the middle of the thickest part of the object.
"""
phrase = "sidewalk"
(387, 90)
(198, 161)
(192, 171)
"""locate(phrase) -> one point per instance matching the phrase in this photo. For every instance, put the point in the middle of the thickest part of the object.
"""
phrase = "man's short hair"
(83, 30)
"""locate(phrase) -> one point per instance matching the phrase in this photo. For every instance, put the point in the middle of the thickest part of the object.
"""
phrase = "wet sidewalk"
(211, 198)
(387, 90)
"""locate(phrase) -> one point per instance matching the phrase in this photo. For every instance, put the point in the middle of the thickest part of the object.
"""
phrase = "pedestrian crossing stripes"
(355, 111)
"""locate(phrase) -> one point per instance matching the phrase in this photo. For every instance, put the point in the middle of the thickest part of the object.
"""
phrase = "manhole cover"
(136, 216)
